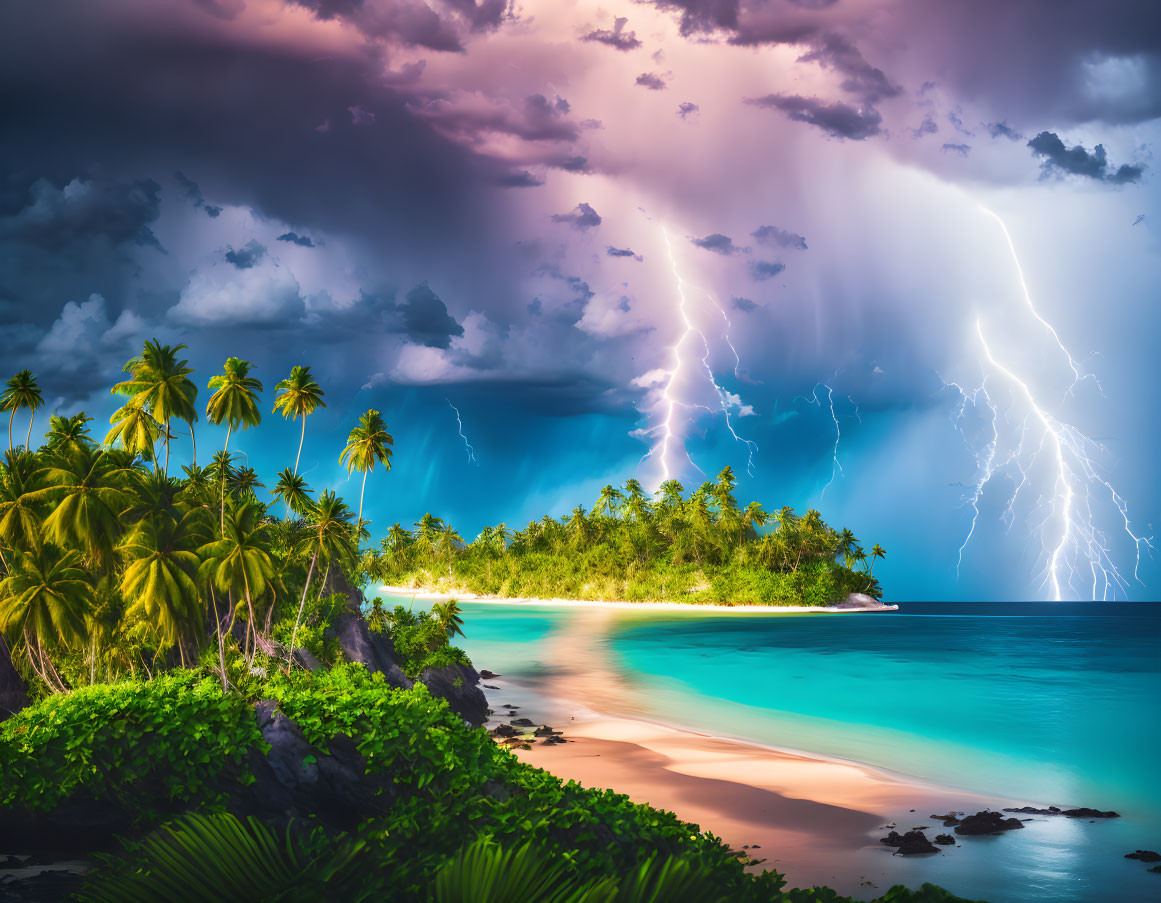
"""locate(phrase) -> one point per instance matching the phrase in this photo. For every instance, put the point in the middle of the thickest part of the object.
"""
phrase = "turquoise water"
(1049, 703)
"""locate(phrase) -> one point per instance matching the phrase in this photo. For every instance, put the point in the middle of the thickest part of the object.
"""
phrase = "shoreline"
(428, 594)
(816, 819)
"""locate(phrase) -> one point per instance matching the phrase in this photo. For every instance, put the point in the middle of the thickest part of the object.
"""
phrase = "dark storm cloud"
(226, 10)
(718, 243)
(687, 109)
(1078, 161)
(779, 238)
(622, 252)
(617, 37)
(651, 80)
(744, 304)
(194, 193)
(833, 51)
(1003, 130)
(535, 119)
(840, 120)
(246, 256)
(962, 149)
(761, 270)
(295, 239)
(409, 22)
(53, 217)
(519, 179)
(426, 320)
(581, 217)
(702, 15)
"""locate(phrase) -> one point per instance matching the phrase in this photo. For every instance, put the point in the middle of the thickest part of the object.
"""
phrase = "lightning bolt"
(460, 426)
(836, 466)
(1044, 454)
(668, 429)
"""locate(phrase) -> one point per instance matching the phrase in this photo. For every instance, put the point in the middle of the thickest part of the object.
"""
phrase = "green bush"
(170, 737)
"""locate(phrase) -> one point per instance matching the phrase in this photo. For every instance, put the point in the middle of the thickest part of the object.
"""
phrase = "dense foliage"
(704, 548)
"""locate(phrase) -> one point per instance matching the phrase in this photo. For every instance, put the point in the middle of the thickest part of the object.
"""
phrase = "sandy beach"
(429, 595)
(815, 819)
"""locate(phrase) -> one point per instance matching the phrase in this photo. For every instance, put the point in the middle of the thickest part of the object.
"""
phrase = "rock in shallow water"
(910, 844)
(944, 839)
(987, 822)
(1144, 856)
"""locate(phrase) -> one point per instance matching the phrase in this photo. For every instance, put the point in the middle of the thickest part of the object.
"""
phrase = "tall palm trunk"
(253, 625)
(165, 469)
(31, 417)
(301, 606)
(300, 438)
(361, 491)
(194, 442)
(221, 477)
(11, 417)
(221, 643)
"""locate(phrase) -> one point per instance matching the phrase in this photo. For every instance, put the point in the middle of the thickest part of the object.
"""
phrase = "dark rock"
(488, 675)
(1032, 810)
(911, 843)
(360, 644)
(46, 886)
(987, 822)
(944, 839)
(13, 691)
(503, 730)
(460, 686)
(1156, 868)
(523, 722)
(545, 731)
(490, 687)
(552, 740)
(1144, 856)
(1084, 812)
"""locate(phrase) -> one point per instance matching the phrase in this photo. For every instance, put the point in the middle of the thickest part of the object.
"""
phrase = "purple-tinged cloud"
(779, 238)
(617, 37)
(687, 109)
(651, 80)
(718, 244)
(761, 270)
(247, 255)
(581, 217)
(961, 149)
(743, 304)
(623, 252)
(294, 238)
(1003, 130)
(926, 127)
(839, 120)
(1077, 161)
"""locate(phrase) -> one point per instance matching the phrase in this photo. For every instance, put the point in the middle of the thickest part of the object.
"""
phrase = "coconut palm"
(160, 579)
(45, 599)
(134, 429)
(448, 616)
(239, 563)
(877, 551)
(235, 398)
(298, 396)
(21, 391)
(294, 492)
(67, 433)
(608, 502)
(159, 383)
(449, 543)
(89, 496)
(327, 536)
(22, 494)
(369, 443)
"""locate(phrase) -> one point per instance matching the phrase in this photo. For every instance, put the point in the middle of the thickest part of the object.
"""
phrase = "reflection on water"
(1042, 704)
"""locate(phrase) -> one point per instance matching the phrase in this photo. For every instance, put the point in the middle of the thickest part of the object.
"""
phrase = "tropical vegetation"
(700, 548)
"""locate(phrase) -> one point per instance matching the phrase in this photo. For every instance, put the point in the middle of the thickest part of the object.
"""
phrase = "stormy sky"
(894, 259)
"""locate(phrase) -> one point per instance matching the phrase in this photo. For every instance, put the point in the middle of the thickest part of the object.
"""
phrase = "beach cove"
(808, 735)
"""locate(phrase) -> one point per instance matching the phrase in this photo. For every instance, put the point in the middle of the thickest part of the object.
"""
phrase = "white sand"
(430, 595)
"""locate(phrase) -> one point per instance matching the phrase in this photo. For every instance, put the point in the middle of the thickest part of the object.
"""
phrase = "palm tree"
(298, 396)
(368, 444)
(235, 399)
(46, 597)
(239, 562)
(160, 580)
(159, 383)
(608, 502)
(447, 615)
(670, 492)
(877, 551)
(449, 543)
(294, 492)
(22, 391)
(66, 433)
(135, 429)
(327, 536)
(21, 494)
(89, 494)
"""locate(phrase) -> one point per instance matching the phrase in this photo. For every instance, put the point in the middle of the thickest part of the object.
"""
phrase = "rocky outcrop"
(1079, 812)
(460, 686)
(910, 844)
(944, 840)
(987, 823)
(375, 650)
(13, 691)
(1144, 856)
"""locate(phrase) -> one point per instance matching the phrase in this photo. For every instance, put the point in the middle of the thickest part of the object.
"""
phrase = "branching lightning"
(836, 469)
(1039, 452)
(667, 433)
(460, 427)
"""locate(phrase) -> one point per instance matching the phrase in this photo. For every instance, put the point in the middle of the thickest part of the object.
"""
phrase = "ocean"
(1044, 703)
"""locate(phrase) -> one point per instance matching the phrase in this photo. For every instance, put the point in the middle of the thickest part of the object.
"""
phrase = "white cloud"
(83, 328)
(223, 294)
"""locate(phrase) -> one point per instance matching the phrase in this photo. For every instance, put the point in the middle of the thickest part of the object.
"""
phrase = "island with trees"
(197, 703)
(700, 549)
